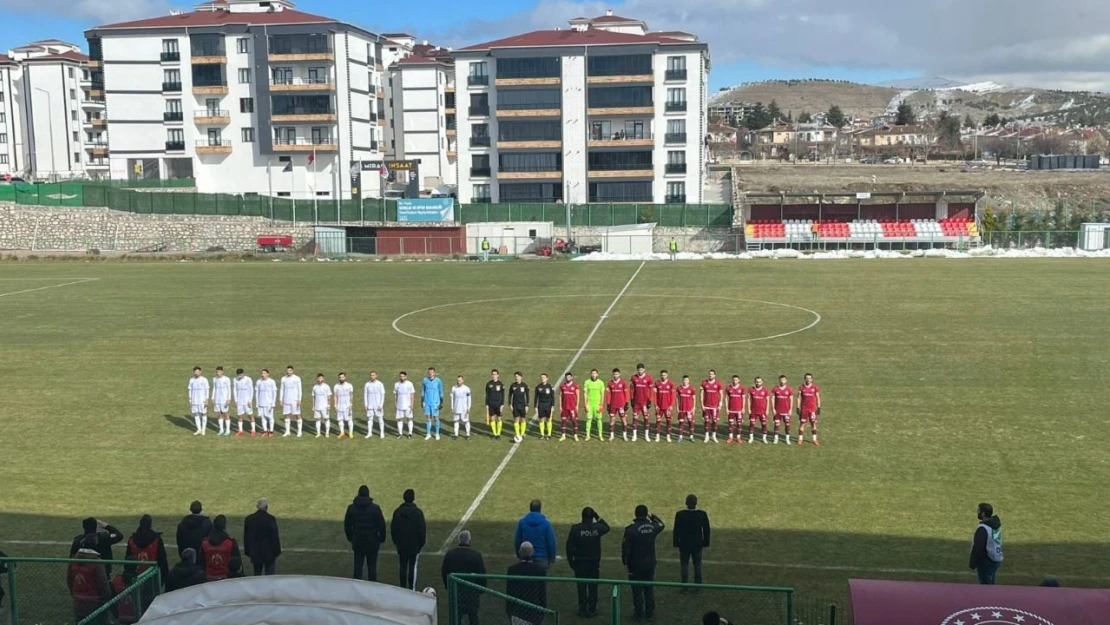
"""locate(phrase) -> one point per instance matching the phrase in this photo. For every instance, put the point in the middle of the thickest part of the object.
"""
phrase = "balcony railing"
(173, 116)
(211, 113)
(304, 111)
(675, 106)
(207, 51)
(529, 169)
(675, 137)
(480, 172)
(175, 146)
(531, 106)
(305, 141)
(170, 87)
(621, 136)
(641, 199)
(373, 145)
(373, 116)
(476, 80)
(675, 74)
(481, 200)
(676, 168)
(213, 143)
(620, 167)
(675, 199)
(209, 83)
(323, 83)
(479, 142)
(299, 49)
(171, 57)
(478, 111)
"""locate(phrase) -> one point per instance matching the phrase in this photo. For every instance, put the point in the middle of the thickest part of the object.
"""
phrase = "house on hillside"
(892, 137)
(781, 140)
(719, 133)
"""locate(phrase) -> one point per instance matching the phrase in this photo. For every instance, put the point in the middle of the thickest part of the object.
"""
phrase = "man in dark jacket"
(186, 572)
(261, 541)
(409, 533)
(533, 592)
(691, 535)
(218, 550)
(464, 559)
(87, 579)
(106, 536)
(536, 529)
(584, 557)
(638, 554)
(147, 547)
(364, 525)
(193, 529)
(986, 546)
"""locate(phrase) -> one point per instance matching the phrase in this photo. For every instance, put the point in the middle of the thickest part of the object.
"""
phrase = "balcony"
(303, 115)
(211, 117)
(478, 111)
(302, 84)
(173, 116)
(213, 146)
(97, 163)
(622, 79)
(215, 88)
(96, 93)
(450, 131)
(529, 144)
(294, 53)
(97, 122)
(513, 111)
(96, 63)
(528, 81)
(480, 172)
(175, 146)
(90, 103)
(675, 107)
(622, 140)
(675, 199)
(528, 173)
(170, 87)
(675, 137)
(479, 142)
(676, 168)
(209, 56)
(323, 144)
(620, 170)
(675, 74)
(170, 57)
(600, 111)
(477, 81)
(98, 149)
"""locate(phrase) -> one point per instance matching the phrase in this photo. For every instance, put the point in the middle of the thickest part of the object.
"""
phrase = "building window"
(481, 192)
(619, 97)
(73, 115)
(676, 131)
(173, 106)
(170, 46)
(3, 159)
(529, 162)
(212, 106)
(215, 137)
(77, 157)
(323, 193)
(244, 75)
(676, 157)
(530, 131)
(676, 99)
(243, 45)
(620, 65)
(317, 75)
(3, 117)
(542, 67)
(479, 74)
(3, 137)
(285, 135)
(248, 135)
(620, 161)
(676, 193)
(76, 136)
(72, 73)
(620, 191)
(281, 75)
(320, 136)
(529, 99)
(284, 194)
(175, 135)
(72, 94)
(246, 105)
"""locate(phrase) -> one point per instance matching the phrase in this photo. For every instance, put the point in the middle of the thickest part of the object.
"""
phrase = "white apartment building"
(604, 111)
(423, 98)
(52, 123)
(245, 96)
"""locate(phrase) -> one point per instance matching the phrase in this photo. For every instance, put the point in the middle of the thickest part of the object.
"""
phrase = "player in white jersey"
(291, 399)
(460, 406)
(403, 394)
(198, 401)
(321, 405)
(221, 401)
(244, 397)
(265, 397)
(373, 397)
(344, 398)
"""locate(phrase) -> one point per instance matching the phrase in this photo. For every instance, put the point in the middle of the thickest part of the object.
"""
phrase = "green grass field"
(944, 383)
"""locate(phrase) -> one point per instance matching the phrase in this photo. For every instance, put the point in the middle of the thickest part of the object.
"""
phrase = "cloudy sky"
(1021, 42)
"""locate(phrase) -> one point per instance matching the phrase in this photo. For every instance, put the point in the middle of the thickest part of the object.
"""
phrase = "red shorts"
(569, 414)
(735, 416)
(710, 413)
(688, 416)
(783, 417)
(616, 411)
(752, 418)
(809, 416)
(662, 413)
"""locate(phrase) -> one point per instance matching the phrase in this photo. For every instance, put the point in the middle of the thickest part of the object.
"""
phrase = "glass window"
(244, 75)
(530, 131)
(676, 63)
(282, 75)
(214, 136)
(479, 69)
(676, 95)
(531, 192)
(173, 106)
(246, 105)
(243, 45)
(72, 94)
(617, 97)
(3, 137)
(676, 157)
(285, 135)
(169, 46)
(301, 105)
(544, 67)
(479, 130)
(172, 76)
(175, 135)
(619, 161)
(639, 191)
(481, 192)
(676, 126)
(676, 190)
(620, 65)
(212, 106)
(72, 72)
(3, 159)
(523, 99)
(526, 162)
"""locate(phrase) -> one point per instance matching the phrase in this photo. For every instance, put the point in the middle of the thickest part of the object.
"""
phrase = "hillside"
(814, 96)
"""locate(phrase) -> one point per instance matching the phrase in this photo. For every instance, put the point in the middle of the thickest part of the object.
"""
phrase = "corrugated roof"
(592, 36)
(220, 18)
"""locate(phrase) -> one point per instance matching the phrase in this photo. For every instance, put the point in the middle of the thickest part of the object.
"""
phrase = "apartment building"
(604, 111)
(245, 96)
(423, 97)
(52, 122)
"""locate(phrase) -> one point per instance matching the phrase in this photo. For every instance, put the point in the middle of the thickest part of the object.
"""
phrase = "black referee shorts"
(494, 411)
(545, 411)
(520, 412)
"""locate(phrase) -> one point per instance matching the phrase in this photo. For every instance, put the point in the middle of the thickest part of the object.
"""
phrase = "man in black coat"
(533, 592)
(584, 557)
(185, 573)
(638, 554)
(364, 525)
(464, 559)
(409, 533)
(106, 536)
(261, 541)
(691, 535)
(192, 530)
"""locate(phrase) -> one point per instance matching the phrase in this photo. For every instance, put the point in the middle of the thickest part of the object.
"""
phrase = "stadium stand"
(955, 229)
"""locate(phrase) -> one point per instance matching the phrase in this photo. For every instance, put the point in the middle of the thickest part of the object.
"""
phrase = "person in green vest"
(485, 249)
(672, 247)
(595, 395)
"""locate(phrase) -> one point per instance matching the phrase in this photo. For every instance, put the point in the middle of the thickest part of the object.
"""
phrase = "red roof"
(397, 35)
(220, 18)
(592, 36)
(75, 57)
(614, 19)
(6, 59)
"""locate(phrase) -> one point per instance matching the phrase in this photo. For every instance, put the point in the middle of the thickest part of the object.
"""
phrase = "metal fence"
(1029, 239)
(547, 600)
(39, 594)
(668, 215)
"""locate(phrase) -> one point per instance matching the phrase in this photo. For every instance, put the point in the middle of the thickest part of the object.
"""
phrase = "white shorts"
(374, 412)
(462, 416)
(290, 409)
(404, 414)
(220, 407)
(320, 414)
(266, 412)
(199, 409)
(243, 410)
(343, 414)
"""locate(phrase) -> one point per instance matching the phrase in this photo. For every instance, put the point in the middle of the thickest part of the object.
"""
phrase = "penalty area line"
(51, 286)
(447, 544)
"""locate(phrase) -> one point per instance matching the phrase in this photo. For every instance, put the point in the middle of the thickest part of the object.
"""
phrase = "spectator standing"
(584, 557)
(261, 540)
(536, 529)
(531, 591)
(364, 525)
(691, 535)
(125, 607)
(193, 529)
(106, 536)
(409, 532)
(218, 550)
(186, 572)
(986, 545)
(638, 554)
(464, 559)
(88, 579)
(147, 547)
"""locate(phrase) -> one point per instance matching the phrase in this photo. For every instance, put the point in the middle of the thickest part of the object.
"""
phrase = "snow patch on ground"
(892, 107)
(1028, 102)
(1068, 105)
(979, 252)
(983, 87)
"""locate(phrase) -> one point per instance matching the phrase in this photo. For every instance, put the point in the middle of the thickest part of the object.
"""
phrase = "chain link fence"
(1031, 239)
(58, 591)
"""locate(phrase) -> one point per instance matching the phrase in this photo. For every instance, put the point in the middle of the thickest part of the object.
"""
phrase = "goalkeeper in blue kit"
(431, 396)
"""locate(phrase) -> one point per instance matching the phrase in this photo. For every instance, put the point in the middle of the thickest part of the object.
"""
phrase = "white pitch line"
(52, 286)
(447, 544)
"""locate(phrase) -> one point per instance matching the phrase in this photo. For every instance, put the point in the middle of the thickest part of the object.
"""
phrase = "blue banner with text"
(426, 209)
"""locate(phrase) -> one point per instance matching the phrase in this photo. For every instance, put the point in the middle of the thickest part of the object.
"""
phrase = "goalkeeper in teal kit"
(431, 395)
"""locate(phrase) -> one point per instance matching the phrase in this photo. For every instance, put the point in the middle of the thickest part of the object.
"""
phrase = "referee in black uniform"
(518, 401)
(495, 400)
(545, 404)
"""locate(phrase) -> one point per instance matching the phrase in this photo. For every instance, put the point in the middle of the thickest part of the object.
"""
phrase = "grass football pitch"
(944, 383)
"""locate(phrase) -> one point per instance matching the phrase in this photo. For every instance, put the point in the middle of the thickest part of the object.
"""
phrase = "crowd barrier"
(38, 593)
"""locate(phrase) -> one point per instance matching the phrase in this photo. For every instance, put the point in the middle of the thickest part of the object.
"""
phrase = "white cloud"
(98, 11)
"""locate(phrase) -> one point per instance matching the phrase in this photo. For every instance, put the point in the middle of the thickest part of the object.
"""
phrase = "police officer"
(584, 557)
(638, 554)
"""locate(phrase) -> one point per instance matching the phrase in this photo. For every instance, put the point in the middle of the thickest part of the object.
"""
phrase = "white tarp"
(628, 239)
(292, 600)
(976, 252)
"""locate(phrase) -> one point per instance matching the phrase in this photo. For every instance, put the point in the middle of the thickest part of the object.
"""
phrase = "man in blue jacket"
(536, 529)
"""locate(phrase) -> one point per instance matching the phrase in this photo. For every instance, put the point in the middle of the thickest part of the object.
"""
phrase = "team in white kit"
(264, 395)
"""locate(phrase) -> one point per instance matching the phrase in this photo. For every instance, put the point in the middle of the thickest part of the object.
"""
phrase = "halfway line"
(52, 286)
(512, 450)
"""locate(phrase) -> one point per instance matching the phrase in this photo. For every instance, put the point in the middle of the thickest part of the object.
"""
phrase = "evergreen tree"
(968, 121)
(835, 117)
(905, 116)
(992, 120)
(774, 111)
(804, 118)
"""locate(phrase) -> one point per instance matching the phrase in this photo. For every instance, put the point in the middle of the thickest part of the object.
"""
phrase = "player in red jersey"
(687, 397)
(664, 403)
(616, 399)
(735, 393)
(784, 407)
(568, 403)
(757, 408)
(712, 395)
(642, 388)
(809, 408)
